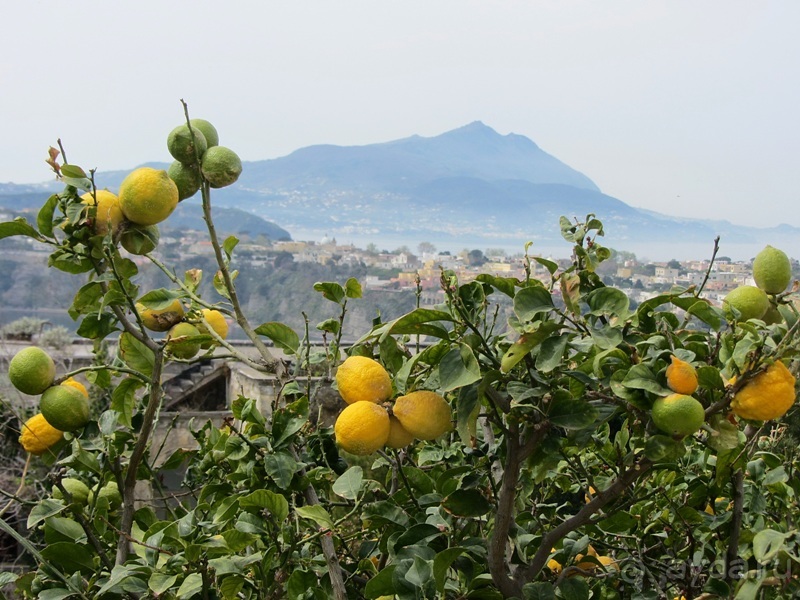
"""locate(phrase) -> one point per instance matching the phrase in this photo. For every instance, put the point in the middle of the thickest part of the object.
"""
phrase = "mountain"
(470, 187)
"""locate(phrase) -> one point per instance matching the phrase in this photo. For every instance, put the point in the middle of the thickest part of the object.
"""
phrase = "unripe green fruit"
(179, 340)
(772, 270)
(80, 492)
(678, 415)
(749, 300)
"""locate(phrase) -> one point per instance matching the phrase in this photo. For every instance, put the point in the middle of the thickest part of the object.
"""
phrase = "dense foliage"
(553, 483)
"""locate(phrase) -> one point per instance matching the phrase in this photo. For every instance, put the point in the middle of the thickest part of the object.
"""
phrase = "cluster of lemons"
(772, 272)
(184, 331)
(64, 407)
(769, 395)
(147, 196)
(366, 425)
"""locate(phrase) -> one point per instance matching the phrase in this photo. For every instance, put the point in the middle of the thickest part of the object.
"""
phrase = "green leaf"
(541, 590)
(330, 291)
(158, 299)
(69, 557)
(135, 354)
(45, 508)
(607, 337)
(767, 543)
(288, 421)
(506, 285)
(317, 514)
(531, 301)
(62, 529)
(459, 368)
(749, 588)
(725, 435)
(712, 316)
(467, 410)
(468, 503)
(281, 335)
(73, 172)
(123, 399)
(662, 448)
(348, 484)
(97, 326)
(44, 220)
(329, 325)
(161, 582)
(276, 504)
(70, 263)
(55, 594)
(352, 288)
(640, 377)
(382, 584)
(421, 321)
(230, 586)
(281, 467)
(608, 301)
(527, 341)
(229, 244)
(193, 584)
(570, 413)
(18, 226)
(574, 588)
(441, 564)
(299, 583)
(420, 572)
(551, 352)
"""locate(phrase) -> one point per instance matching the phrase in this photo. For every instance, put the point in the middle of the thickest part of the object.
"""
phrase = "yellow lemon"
(398, 436)
(424, 414)
(147, 196)
(767, 396)
(38, 435)
(31, 371)
(681, 377)
(360, 378)
(161, 319)
(362, 428)
(216, 320)
(72, 382)
(678, 414)
(108, 214)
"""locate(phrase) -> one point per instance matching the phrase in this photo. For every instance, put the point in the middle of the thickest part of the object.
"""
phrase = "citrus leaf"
(193, 584)
(507, 285)
(527, 341)
(45, 508)
(44, 219)
(70, 557)
(317, 514)
(281, 335)
(352, 288)
(661, 447)
(135, 354)
(161, 582)
(571, 413)
(466, 503)
(608, 301)
(348, 484)
(229, 244)
(281, 467)
(73, 171)
(421, 321)
(330, 291)
(18, 226)
(767, 543)
(575, 588)
(458, 368)
(640, 377)
(382, 584)
(441, 564)
(276, 504)
(531, 301)
(158, 299)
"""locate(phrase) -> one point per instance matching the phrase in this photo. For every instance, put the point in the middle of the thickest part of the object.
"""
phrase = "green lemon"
(750, 301)
(772, 270)
(221, 166)
(208, 130)
(180, 343)
(65, 407)
(186, 146)
(186, 177)
(110, 492)
(80, 492)
(678, 415)
(32, 371)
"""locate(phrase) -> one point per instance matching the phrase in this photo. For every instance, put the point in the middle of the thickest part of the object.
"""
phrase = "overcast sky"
(683, 107)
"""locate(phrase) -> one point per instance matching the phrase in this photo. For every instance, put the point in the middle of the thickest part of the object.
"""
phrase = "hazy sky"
(688, 108)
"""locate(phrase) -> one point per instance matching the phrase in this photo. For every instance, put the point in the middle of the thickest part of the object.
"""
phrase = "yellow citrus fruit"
(398, 436)
(161, 319)
(772, 270)
(424, 414)
(221, 166)
(108, 214)
(65, 407)
(186, 177)
(139, 239)
(31, 370)
(217, 322)
(360, 378)
(767, 396)
(186, 146)
(681, 376)
(38, 435)
(147, 196)
(180, 343)
(554, 565)
(678, 414)
(72, 382)
(80, 492)
(749, 300)
(362, 428)
(208, 130)
(110, 492)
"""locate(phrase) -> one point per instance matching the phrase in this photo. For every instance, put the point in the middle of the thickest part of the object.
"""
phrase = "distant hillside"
(469, 187)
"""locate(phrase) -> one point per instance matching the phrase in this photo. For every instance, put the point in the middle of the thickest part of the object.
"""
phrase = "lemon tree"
(524, 438)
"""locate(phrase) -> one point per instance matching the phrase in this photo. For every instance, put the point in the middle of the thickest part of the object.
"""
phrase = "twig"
(710, 266)
(21, 485)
